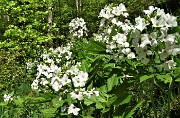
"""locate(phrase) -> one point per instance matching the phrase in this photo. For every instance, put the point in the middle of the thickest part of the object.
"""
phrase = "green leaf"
(84, 66)
(111, 82)
(96, 47)
(87, 117)
(3, 104)
(19, 101)
(88, 102)
(134, 109)
(177, 80)
(174, 30)
(124, 98)
(99, 105)
(57, 103)
(146, 77)
(165, 78)
(48, 113)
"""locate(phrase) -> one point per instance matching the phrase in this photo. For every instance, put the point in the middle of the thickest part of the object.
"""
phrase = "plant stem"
(152, 99)
(169, 96)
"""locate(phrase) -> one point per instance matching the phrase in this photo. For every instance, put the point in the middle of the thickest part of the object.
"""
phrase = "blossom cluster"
(78, 27)
(7, 97)
(60, 73)
(142, 39)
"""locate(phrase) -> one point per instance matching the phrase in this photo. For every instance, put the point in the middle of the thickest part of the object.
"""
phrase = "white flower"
(44, 81)
(170, 21)
(131, 55)
(126, 50)
(77, 95)
(74, 110)
(158, 22)
(78, 81)
(140, 23)
(122, 7)
(56, 85)
(65, 80)
(169, 65)
(169, 39)
(144, 40)
(73, 70)
(78, 27)
(84, 75)
(174, 51)
(34, 85)
(106, 12)
(160, 12)
(7, 97)
(150, 11)
(116, 11)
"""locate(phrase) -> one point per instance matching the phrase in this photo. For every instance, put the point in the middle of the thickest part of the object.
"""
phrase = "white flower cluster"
(7, 97)
(58, 72)
(160, 19)
(139, 40)
(111, 15)
(78, 27)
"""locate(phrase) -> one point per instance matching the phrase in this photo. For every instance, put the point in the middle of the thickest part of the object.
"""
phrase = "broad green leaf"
(57, 103)
(177, 80)
(96, 47)
(146, 77)
(99, 105)
(88, 102)
(3, 104)
(111, 82)
(165, 78)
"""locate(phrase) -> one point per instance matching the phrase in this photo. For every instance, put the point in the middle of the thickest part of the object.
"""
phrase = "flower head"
(74, 110)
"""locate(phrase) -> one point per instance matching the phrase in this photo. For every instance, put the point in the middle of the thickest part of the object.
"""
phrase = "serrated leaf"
(111, 82)
(88, 102)
(99, 105)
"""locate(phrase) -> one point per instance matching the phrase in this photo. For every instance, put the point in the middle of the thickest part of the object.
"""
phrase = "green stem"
(169, 96)
(152, 99)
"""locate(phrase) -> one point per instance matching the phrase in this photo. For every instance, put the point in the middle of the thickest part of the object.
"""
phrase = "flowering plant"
(77, 27)
(142, 51)
(60, 74)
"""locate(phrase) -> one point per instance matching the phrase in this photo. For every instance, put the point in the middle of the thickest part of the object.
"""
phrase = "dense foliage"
(59, 58)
